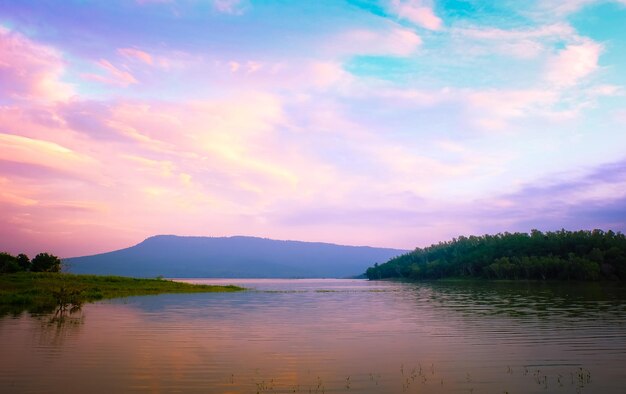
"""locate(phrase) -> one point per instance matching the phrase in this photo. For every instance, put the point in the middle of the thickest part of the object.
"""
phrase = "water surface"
(331, 336)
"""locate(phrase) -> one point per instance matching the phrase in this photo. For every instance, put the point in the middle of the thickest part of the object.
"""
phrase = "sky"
(395, 123)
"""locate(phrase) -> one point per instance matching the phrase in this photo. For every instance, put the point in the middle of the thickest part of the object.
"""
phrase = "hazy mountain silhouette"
(229, 257)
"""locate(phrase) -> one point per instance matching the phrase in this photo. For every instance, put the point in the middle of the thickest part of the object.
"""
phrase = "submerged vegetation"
(416, 378)
(40, 292)
(565, 255)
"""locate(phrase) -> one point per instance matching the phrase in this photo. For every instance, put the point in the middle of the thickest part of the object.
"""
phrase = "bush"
(45, 262)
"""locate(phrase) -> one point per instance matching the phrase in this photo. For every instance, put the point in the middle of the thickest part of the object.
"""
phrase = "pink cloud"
(573, 63)
(215, 167)
(229, 141)
(136, 54)
(29, 70)
(228, 6)
(226, 160)
(485, 110)
(234, 66)
(394, 42)
(419, 12)
(116, 76)
(299, 76)
(605, 90)
(423, 98)
(252, 66)
(492, 110)
(44, 153)
(326, 74)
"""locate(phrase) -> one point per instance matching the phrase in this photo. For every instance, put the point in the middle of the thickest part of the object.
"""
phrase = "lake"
(329, 336)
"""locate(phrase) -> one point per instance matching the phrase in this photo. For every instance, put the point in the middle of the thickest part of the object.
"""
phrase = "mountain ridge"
(234, 256)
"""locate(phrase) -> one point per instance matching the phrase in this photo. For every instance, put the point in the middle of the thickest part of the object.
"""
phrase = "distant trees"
(576, 255)
(43, 262)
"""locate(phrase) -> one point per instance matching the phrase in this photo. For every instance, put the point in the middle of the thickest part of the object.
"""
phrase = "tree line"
(566, 255)
(43, 262)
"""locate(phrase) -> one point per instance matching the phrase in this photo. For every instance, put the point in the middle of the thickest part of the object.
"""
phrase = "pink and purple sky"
(363, 122)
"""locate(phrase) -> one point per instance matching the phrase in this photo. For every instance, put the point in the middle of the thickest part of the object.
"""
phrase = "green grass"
(44, 292)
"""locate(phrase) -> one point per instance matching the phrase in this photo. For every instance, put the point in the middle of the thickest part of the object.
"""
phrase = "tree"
(23, 261)
(45, 262)
(8, 263)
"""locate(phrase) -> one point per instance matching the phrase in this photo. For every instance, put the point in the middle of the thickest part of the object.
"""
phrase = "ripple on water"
(331, 335)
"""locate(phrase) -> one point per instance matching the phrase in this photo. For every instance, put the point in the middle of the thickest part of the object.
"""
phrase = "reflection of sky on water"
(319, 333)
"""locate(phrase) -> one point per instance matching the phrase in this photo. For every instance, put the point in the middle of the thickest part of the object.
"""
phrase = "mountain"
(232, 257)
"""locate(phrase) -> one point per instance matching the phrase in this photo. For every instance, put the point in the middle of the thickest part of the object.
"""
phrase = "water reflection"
(544, 300)
(329, 336)
(57, 328)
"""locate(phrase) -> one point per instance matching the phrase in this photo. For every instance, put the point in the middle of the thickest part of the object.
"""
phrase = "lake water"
(329, 336)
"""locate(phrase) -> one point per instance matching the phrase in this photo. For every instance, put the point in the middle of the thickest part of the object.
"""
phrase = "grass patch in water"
(43, 291)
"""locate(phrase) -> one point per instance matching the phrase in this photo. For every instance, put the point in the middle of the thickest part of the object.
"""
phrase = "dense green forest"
(566, 255)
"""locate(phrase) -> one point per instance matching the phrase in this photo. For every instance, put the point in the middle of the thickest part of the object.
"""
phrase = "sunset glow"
(386, 123)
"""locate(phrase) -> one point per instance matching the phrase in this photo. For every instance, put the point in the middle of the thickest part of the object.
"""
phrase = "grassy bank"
(44, 292)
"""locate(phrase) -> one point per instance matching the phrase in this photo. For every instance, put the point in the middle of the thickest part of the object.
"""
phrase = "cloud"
(562, 8)
(115, 75)
(234, 129)
(519, 43)
(573, 63)
(37, 152)
(136, 54)
(326, 74)
(31, 71)
(232, 159)
(395, 41)
(419, 12)
(217, 158)
(418, 97)
(247, 67)
(483, 110)
(234, 7)
(230, 136)
(421, 220)
(596, 199)
(493, 109)
(559, 30)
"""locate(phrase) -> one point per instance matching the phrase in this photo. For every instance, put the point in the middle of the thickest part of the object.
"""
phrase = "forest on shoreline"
(560, 255)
